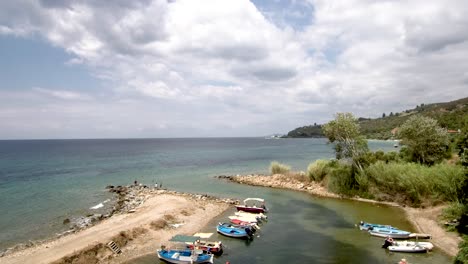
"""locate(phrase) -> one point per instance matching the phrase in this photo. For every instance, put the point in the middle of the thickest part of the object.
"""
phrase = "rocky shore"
(424, 220)
(131, 201)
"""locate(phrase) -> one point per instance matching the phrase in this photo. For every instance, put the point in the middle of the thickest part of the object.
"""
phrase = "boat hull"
(232, 231)
(255, 210)
(410, 249)
(184, 256)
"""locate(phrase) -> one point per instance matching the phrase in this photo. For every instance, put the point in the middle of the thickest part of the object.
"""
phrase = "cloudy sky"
(187, 68)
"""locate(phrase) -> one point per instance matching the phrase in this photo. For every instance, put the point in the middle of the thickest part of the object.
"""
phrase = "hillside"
(450, 115)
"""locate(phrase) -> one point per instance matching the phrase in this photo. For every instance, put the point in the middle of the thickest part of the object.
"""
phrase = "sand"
(193, 214)
(424, 220)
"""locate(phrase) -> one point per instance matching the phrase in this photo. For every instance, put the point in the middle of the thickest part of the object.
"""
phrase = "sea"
(45, 182)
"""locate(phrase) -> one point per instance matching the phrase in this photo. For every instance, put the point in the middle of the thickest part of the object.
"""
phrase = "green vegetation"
(425, 140)
(344, 132)
(317, 170)
(450, 115)
(462, 257)
(413, 184)
(278, 168)
(313, 131)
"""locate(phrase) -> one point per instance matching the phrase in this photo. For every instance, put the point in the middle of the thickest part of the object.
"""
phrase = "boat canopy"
(254, 199)
(183, 239)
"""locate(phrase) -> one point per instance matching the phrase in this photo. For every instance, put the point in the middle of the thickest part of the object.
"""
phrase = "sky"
(221, 68)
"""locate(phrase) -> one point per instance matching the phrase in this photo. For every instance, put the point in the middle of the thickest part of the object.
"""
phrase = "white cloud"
(231, 64)
(62, 94)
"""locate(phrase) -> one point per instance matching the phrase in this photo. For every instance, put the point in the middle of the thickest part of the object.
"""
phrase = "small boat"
(366, 226)
(253, 205)
(251, 220)
(237, 231)
(260, 216)
(215, 247)
(407, 246)
(195, 242)
(183, 256)
(243, 223)
(388, 232)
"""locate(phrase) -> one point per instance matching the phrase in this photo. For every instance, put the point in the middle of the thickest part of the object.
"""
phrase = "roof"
(183, 238)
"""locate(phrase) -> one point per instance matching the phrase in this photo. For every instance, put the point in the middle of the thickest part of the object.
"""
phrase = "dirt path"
(191, 213)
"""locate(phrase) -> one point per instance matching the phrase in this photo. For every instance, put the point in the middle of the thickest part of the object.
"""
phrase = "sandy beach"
(424, 220)
(142, 232)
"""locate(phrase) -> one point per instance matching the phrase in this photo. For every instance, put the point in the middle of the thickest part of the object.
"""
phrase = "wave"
(100, 205)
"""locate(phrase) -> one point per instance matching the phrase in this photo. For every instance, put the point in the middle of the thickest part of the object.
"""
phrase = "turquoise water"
(42, 182)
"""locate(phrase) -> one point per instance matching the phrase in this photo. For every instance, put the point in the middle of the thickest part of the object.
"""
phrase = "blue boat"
(184, 256)
(237, 231)
(367, 226)
(388, 232)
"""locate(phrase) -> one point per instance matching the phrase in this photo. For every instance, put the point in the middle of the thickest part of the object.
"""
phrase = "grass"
(279, 168)
(414, 184)
(318, 170)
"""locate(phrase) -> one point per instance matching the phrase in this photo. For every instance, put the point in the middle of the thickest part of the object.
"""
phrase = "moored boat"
(236, 231)
(215, 247)
(184, 256)
(388, 232)
(407, 246)
(366, 226)
(260, 216)
(253, 205)
(251, 220)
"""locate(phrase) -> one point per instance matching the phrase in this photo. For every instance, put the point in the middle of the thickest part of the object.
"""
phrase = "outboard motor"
(361, 223)
(387, 243)
(248, 231)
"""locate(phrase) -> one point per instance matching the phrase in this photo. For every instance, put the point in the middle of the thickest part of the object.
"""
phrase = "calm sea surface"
(43, 182)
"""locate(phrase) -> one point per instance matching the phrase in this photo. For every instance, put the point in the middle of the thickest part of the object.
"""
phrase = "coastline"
(139, 231)
(424, 220)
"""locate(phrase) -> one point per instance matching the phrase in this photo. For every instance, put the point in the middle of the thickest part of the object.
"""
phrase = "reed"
(414, 183)
(279, 168)
(318, 170)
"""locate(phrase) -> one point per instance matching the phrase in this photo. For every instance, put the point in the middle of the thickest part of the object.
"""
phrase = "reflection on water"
(306, 229)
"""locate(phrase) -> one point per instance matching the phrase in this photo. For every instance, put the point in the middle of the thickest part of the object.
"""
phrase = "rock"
(66, 221)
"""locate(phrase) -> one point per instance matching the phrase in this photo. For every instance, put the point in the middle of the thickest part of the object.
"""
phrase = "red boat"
(209, 246)
(253, 205)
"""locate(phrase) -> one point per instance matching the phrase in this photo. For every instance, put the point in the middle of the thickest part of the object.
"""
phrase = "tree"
(383, 115)
(424, 139)
(349, 143)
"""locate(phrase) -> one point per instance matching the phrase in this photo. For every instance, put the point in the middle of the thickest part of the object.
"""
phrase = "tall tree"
(349, 143)
(425, 140)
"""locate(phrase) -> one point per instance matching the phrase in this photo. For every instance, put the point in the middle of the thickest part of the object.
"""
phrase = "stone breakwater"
(293, 183)
(281, 181)
(128, 199)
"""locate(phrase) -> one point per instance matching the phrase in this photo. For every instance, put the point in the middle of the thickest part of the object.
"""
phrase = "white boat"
(408, 246)
(253, 205)
(251, 220)
(260, 216)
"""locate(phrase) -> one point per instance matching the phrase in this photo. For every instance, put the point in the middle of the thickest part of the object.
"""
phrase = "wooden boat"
(237, 231)
(366, 226)
(407, 246)
(215, 247)
(243, 223)
(183, 256)
(260, 216)
(388, 232)
(251, 220)
(253, 205)
(195, 242)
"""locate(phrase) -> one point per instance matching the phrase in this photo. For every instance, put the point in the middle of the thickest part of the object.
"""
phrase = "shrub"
(341, 180)
(462, 257)
(416, 183)
(318, 170)
(278, 168)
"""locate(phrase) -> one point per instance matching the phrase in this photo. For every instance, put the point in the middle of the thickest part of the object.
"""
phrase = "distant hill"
(450, 115)
(312, 131)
